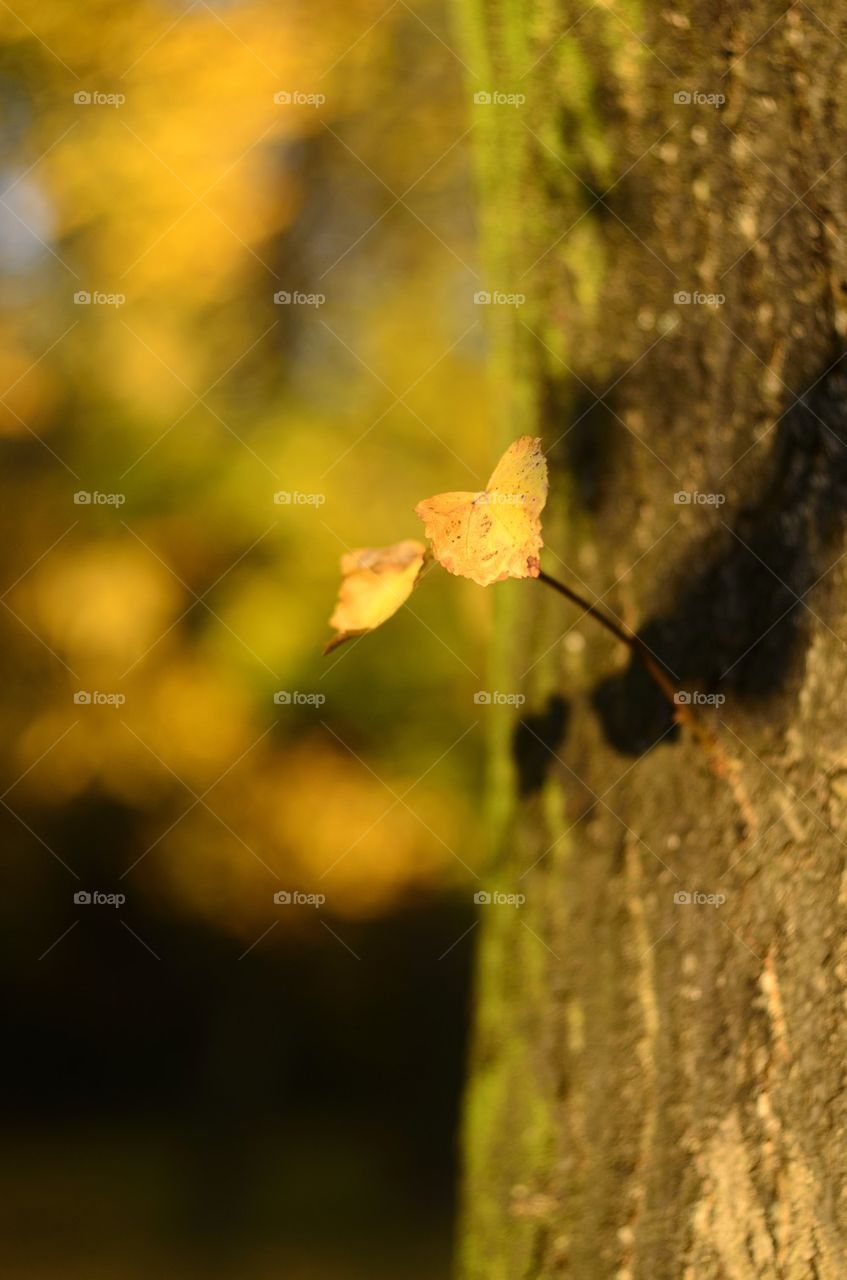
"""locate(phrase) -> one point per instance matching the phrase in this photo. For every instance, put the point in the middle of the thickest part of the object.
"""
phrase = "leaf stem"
(683, 712)
(627, 637)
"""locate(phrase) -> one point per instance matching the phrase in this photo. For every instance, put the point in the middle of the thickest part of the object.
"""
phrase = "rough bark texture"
(657, 1088)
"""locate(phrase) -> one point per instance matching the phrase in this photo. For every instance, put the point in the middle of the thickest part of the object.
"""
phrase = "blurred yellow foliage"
(181, 386)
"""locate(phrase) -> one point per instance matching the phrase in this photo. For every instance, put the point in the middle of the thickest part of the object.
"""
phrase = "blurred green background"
(201, 1081)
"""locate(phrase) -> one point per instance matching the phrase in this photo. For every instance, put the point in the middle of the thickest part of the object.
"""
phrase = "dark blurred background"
(238, 263)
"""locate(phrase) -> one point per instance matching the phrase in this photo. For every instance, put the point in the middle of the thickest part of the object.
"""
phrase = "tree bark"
(657, 1085)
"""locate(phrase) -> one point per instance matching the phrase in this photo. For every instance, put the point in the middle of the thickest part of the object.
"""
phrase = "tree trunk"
(657, 1084)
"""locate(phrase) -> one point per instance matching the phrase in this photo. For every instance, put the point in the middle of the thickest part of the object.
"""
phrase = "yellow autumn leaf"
(495, 534)
(375, 582)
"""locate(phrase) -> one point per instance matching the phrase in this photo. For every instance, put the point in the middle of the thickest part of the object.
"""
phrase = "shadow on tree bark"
(737, 624)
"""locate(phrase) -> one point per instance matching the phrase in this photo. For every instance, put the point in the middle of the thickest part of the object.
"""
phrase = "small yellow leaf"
(495, 534)
(375, 582)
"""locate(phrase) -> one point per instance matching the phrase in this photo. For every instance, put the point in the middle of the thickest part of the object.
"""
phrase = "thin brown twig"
(683, 712)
